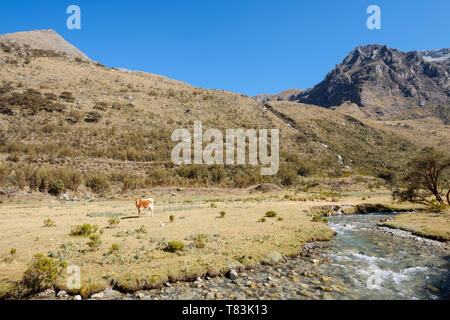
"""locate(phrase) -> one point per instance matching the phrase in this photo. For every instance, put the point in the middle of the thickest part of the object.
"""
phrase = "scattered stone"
(210, 296)
(64, 197)
(140, 295)
(46, 293)
(325, 278)
(99, 295)
(324, 288)
(432, 288)
(77, 297)
(62, 294)
(167, 284)
(306, 293)
(326, 296)
(232, 274)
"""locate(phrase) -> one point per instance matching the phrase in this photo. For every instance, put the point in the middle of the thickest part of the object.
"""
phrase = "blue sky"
(246, 46)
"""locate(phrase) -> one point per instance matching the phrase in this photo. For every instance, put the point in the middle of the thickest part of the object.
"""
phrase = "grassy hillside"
(72, 124)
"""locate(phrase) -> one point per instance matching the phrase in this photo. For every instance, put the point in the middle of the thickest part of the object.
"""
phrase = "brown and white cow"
(144, 204)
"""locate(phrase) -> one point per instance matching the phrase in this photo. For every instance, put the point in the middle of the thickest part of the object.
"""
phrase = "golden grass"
(237, 240)
(426, 224)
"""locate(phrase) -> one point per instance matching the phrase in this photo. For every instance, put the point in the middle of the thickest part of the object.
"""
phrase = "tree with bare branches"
(427, 176)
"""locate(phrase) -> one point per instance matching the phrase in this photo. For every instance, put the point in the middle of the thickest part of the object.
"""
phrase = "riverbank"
(431, 225)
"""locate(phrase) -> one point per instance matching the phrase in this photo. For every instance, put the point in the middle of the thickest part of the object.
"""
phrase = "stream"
(359, 263)
(374, 265)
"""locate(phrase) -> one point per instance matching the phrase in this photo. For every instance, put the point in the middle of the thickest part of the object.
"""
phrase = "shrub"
(280, 219)
(92, 117)
(115, 247)
(67, 96)
(74, 116)
(141, 229)
(262, 220)
(222, 214)
(32, 101)
(113, 222)
(4, 172)
(41, 274)
(13, 251)
(271, 214)
(55, 180)
(172, 218)
(84, 230)
(435, 206)
(199, 243)
(98, 182)
(94, 242)
(319, 219)
(174, 246)
(49, 223)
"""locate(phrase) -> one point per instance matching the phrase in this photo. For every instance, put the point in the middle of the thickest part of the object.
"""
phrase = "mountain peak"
(47, 39)
(385, 82)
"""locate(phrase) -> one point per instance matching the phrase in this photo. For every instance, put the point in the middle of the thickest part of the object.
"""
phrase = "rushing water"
(374, 265)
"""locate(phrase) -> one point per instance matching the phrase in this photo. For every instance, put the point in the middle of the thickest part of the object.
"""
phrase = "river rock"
(77, 297)
(62, 294)
(46, 293)
(324, 288)
(232, 274)
(306, 293)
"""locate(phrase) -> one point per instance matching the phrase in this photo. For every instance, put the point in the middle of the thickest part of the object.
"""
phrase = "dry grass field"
(426, 224)
(133, 253)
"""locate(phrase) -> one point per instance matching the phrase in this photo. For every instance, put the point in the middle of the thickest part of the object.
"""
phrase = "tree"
(427, 176)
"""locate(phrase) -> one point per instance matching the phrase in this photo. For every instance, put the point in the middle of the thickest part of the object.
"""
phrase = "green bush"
(115, 247)
(49, 223)
(41, 274)
(271, 214)
(319, 219)
(174, 246)
(172, 218)
(113, 222)
(280, 219)
(222, 214)
(94, 242)
(13, 251)
(435, 206)
(84, 230)
(199, 243)
(262, 219)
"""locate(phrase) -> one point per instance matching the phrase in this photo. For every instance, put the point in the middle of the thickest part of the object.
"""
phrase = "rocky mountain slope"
(44, 40)
(57, 111)
(386, 84)
(282, 96)
(442, 55)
